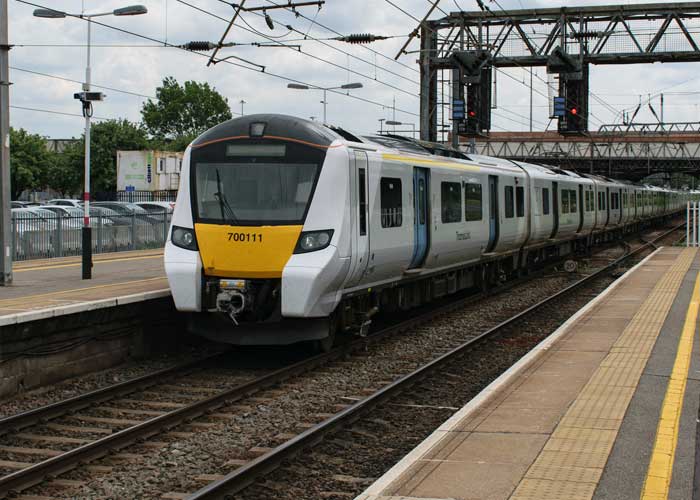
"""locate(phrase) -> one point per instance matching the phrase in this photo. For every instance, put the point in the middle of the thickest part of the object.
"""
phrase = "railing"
(35, 237)
(692, 228)
(136, 196)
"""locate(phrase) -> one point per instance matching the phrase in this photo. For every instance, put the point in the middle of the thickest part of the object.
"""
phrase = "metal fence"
(137, 196)
(39, 237)
(692, 228)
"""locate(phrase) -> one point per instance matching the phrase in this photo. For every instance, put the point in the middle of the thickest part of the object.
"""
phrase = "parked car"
(32, 233)
(159, 209)
(156, 206)
(66, 202)
(128, 210)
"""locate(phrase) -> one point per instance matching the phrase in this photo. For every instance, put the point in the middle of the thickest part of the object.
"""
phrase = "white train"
(287, 230)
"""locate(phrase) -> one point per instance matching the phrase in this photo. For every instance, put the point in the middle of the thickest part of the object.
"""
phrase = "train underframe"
(355, 311)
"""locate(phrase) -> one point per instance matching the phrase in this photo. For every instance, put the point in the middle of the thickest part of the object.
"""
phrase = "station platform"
(53, 287)
(605, 408)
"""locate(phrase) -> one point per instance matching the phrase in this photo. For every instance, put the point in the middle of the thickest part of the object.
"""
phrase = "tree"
(184, 111)
(105, 139)
(66, 173)
(30, 161)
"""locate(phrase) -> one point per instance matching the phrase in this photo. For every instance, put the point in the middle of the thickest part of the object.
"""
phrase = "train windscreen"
(254, 184)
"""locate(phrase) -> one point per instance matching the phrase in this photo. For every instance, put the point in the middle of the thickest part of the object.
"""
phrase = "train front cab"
(263, 224)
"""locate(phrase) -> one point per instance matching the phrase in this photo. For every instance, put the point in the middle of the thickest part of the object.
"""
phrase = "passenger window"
(451, 193)
(509, 202)
(520, 201)
(545, 201)
(362, 192)
(390, 195)
(565, 201)
(472, 202)
(572, 201)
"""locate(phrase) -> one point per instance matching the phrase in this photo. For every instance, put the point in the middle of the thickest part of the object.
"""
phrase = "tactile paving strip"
(572, 461)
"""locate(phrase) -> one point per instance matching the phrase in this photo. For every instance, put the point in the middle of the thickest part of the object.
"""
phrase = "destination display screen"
(268, 150)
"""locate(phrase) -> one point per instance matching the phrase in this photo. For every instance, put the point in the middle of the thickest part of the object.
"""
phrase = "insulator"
(360, 38)
(199, 46)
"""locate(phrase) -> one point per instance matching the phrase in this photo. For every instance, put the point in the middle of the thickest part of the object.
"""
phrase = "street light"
(131, 10)
(395, 123)
(347, 86)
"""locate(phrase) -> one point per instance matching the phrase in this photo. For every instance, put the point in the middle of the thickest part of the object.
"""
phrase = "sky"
(133, 66)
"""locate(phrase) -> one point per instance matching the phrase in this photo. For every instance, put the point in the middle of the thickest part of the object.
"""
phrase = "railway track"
(250, 472)
(185, 412)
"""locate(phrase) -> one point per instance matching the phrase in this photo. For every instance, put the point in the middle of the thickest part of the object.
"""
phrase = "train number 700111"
(246, 237)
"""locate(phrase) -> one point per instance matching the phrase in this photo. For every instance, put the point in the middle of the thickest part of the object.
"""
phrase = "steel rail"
(51, 411)
(248, 473)
(17, 481)
(25, 478)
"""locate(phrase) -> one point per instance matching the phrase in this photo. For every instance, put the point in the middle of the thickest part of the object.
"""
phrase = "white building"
(148, 170)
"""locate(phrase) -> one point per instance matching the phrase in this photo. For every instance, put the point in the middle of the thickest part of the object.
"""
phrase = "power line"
(40, 110)
(15, 68)
(375, 52)
(402, 10)
(83, 45)
(238, 65)
(308, 54)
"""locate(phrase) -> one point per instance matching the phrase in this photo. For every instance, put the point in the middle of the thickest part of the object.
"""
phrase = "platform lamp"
(347, 86)
(86, 98)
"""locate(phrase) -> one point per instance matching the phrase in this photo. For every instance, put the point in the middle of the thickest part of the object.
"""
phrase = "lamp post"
(381, 125)
(86, 99)
(347, 86)
(242, 103)
(395, 123)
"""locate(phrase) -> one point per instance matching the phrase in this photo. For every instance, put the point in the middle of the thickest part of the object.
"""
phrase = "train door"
(359, 176)
(607, 205)
(555, 209)
(420, 209)
(493, 214)
(581, 208)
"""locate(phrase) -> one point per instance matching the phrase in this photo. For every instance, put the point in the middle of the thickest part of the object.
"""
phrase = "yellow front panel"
(245, 251)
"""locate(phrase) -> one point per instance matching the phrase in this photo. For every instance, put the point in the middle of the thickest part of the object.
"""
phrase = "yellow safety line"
(81, 289)
(658, 478)
(77, 264)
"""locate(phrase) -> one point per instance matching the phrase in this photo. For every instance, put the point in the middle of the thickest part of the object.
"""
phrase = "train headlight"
(310, 241)
(184, 238)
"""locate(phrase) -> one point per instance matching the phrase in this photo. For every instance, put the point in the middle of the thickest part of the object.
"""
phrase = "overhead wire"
(38, 73)
(53, 112)
(308, 54)
(323, 42)
(337, 33)
(232, 63)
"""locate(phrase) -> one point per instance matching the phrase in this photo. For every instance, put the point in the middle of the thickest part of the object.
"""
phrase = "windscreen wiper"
(224, 205)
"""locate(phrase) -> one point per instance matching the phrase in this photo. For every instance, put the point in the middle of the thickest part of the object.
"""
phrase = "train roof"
(317, 133)
(273, 125)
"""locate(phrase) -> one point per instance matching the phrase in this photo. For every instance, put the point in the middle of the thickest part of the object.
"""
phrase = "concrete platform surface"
(604, 408)
(53, 287)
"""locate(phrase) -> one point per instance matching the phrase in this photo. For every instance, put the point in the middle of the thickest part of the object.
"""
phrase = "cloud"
(138, 65)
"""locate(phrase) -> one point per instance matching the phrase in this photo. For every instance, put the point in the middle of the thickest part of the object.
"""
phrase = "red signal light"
(472, 113)
(574, 111)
